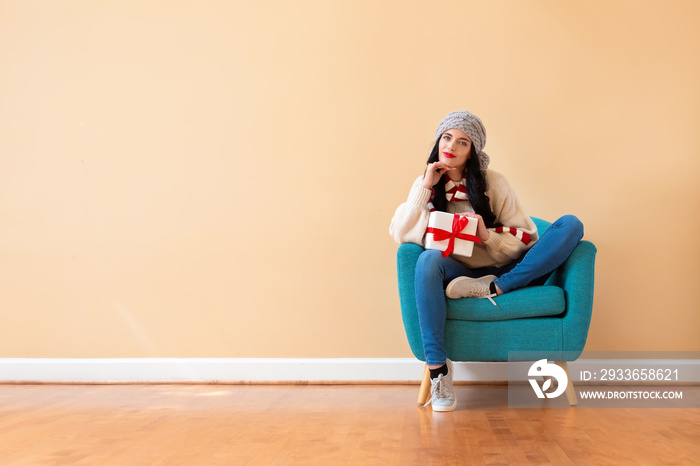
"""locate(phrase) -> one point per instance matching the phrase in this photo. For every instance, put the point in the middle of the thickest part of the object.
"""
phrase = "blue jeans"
(434, 273)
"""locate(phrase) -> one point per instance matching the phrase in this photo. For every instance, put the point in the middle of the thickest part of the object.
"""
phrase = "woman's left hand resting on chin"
(481, 231)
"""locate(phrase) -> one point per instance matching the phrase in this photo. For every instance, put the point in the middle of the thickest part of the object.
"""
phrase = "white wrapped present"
(451, 233)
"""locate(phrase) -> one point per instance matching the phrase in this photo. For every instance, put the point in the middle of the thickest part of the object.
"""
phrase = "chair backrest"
(541, 225)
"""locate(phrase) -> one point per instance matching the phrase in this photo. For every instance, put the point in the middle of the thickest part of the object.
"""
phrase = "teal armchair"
(550, 320)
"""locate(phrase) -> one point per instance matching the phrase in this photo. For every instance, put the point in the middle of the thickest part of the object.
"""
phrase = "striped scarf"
(454, 192)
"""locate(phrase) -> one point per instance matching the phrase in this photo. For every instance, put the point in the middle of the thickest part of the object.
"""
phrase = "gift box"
(451, 233)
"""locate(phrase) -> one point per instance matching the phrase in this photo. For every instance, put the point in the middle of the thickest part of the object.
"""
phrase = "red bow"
(458, 224)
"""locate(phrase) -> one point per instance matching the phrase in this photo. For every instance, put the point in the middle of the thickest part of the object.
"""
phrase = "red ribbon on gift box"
(458, 224)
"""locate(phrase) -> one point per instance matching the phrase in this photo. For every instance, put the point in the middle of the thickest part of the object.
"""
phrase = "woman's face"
(455, 147)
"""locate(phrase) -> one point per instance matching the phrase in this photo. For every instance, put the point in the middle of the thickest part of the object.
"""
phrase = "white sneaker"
(467, 287)
(443, 396)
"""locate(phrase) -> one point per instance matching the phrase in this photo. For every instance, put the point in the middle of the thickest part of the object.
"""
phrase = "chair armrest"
(406, 259)
(576, 276)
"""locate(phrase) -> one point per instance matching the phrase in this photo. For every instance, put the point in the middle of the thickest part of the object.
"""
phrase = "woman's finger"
(442, 167)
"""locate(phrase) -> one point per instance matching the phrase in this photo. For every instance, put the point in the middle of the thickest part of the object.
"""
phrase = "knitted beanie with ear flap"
(470, 124)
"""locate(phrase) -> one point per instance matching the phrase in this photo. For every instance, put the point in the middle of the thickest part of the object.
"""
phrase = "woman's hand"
(433, 174)
(481, 231)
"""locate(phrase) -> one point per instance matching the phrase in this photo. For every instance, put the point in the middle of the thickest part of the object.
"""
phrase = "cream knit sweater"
(411, 220)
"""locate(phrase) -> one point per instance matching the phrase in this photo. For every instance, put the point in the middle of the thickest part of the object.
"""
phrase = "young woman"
(510, 256)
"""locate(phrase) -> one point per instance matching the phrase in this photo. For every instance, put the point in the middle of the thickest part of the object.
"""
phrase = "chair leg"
(570, 392)
(424, 387)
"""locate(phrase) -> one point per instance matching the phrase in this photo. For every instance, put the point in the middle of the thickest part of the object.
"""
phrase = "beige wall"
(216, 179)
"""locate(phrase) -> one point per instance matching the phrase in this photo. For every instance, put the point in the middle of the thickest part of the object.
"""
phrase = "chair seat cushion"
(535, 301)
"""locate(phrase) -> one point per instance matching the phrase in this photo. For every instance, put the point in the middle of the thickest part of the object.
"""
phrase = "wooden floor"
(327, 425)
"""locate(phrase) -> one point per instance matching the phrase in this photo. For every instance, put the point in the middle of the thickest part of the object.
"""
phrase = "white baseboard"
(227, 370)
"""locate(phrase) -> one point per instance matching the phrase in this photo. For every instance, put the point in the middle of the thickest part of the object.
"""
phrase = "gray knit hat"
(470, 124)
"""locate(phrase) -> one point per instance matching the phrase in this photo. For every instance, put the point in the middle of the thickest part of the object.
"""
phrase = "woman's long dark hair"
(476, 188)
